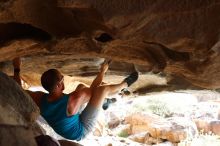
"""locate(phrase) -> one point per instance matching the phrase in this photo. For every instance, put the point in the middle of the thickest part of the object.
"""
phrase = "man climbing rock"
(61, 111)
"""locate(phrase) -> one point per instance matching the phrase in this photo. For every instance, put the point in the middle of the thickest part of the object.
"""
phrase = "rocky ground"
(164, 119)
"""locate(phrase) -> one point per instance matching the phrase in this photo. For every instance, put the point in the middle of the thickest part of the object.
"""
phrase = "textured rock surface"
(16, 135)
(18, 113)
(68, 143)
(16, 107)
(178, 38)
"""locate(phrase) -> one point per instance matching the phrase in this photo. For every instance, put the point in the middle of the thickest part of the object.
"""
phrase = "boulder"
(113, 120)
(140, 137)
(16, 106)
(18, 113)
(181, 129)
(215, 127)
(173, 129)
(16, 135)
(203, 125)
(122, 130)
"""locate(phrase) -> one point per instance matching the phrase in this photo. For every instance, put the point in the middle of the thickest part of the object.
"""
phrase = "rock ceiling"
(175, 38)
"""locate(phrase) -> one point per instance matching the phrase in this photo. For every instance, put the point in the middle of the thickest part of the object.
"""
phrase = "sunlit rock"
(16, 135)
(172, 129)
(140, 137)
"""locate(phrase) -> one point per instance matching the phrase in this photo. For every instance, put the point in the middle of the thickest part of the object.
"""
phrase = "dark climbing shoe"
(131, 78)
(107, 103)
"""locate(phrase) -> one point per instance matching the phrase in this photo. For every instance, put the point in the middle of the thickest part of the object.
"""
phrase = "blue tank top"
(55, 113)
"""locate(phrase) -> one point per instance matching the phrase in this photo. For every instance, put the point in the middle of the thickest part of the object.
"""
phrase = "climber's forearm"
(16, 76)
(98, 80)
(16, 65)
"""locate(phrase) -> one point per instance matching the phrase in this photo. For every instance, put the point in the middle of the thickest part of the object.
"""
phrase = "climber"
(61, 111)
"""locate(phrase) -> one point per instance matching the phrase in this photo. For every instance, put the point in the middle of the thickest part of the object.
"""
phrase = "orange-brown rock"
(172, 129)
(180, 38)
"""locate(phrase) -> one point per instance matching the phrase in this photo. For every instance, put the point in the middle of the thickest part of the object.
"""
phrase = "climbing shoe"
(107, 103)
(131, 78)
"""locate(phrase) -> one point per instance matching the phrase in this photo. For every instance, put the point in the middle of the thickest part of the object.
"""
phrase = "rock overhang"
(179, 39)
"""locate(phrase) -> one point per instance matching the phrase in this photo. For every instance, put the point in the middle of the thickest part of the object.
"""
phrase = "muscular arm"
(36, 96)
(98, 80)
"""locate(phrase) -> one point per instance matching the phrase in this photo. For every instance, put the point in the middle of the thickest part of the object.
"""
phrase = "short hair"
(49, 79)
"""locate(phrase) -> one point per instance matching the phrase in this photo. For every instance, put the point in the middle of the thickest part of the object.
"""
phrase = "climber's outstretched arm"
(36, 96)
(98, 80)
(16, 65)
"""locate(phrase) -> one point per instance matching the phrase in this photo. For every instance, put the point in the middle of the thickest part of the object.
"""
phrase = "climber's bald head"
(50, 79)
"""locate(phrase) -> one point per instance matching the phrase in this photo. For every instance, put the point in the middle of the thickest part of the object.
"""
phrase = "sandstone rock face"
(140, 137)
(18, 113)
(206, 126)
(18, 116)
(16, 135)
(215, 127)
(178, 38)
(16, 107)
